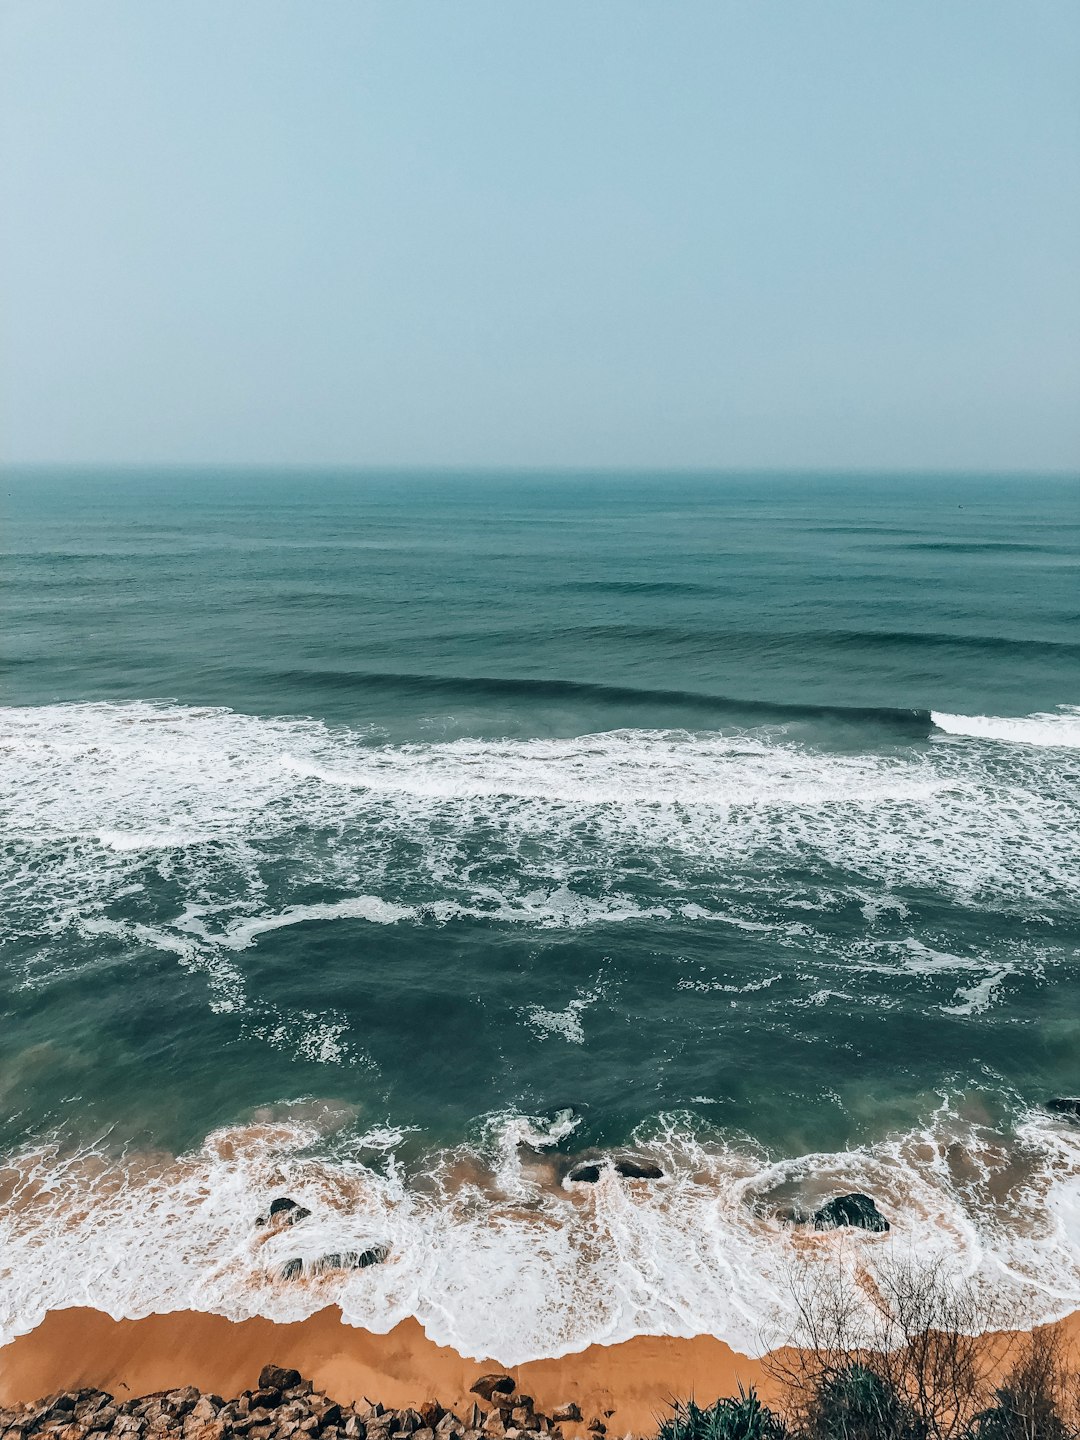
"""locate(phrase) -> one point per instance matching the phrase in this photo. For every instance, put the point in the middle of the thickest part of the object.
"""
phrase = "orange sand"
(627, 1385)
(633, 1380)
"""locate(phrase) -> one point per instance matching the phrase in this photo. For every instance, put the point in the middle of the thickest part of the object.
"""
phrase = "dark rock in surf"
(589, 1174)
(489, 1385)
(292, 1269)
(291, 1211)
(855, 1209)
(628, 1169)
(350, 1260)
(638, 1170)
(1065, 1105)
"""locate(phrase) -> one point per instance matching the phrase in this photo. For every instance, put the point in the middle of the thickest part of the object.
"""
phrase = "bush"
(1028, 1405)
(744, 1418)
(855, 1403)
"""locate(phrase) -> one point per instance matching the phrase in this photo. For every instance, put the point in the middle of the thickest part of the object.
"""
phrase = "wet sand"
(633, 1380)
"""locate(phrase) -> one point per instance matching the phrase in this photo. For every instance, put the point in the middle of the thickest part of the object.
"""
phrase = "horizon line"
(494, 468)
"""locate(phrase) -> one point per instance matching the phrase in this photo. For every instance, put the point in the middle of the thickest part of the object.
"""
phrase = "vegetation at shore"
(902, 1352)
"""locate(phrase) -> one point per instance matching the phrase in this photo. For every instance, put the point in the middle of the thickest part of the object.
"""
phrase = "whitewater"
(199, 831)
(400, 844)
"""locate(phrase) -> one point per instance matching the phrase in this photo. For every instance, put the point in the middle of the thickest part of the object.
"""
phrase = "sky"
(651, 233)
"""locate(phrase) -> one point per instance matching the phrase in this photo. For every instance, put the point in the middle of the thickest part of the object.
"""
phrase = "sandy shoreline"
(628, 1385)
(633, 1380)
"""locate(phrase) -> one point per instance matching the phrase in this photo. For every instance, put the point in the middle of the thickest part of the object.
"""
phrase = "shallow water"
(737, 817)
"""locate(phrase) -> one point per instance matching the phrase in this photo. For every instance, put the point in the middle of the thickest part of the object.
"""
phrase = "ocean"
(395, 842)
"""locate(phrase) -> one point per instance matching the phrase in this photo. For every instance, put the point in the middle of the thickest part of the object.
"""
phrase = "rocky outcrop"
(629, 1170)
(855, 1209)
(638, 1170)
(284, 1211)
(281, 1407)
(336, 1260)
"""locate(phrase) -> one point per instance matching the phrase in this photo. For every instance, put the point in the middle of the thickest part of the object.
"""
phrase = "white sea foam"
(496, 1258)
(204, 831)
(1058, 728)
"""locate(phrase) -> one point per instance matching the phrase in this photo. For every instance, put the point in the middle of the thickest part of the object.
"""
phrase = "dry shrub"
(1033, 1402)
(901, 1353)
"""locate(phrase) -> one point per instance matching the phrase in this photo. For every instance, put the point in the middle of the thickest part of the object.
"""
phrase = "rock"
(855, 1209)
(1065, 1105)
(490, 1385)
(61, 1403)
(638, 1170)
(587, 1174)
(350, 1260)
(277, 1377)
(290, 1211)
(430, 1414)
(179, 1402)
(267, 1396)
(565, 1414)
(292, 1269)
(355, 1428)
(597, 1426)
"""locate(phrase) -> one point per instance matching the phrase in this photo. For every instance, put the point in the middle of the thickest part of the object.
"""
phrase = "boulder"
(1065, 1105)
(638, 1170)
(350, 1259)
(277, 1377)
(855, 1209)
(629, 1169)
(589, 1174)
(566, 1414)
(289, 1211)
(495, 1384)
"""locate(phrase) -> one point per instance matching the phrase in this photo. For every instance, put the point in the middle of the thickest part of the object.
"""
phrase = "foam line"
(496, 1257)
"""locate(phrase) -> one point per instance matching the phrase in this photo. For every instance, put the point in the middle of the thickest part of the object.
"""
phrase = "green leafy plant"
(744, 1417)
(856, 1403)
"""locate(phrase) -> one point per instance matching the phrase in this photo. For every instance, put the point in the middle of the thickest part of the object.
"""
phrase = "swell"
(913, 723)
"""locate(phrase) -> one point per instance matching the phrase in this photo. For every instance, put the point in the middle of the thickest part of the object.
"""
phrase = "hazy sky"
(536, 232)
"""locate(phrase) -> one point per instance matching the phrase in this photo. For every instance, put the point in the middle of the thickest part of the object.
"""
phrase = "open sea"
(395, 842)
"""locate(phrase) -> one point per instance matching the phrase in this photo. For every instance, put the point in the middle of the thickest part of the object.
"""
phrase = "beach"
(628, 1387)
(634, 1381)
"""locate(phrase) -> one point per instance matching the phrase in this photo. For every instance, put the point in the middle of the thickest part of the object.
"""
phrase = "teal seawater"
(743, 809)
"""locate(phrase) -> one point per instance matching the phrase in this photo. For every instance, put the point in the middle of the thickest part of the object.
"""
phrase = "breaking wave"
(499, 1254)
(1058, 729)
(198, 830)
